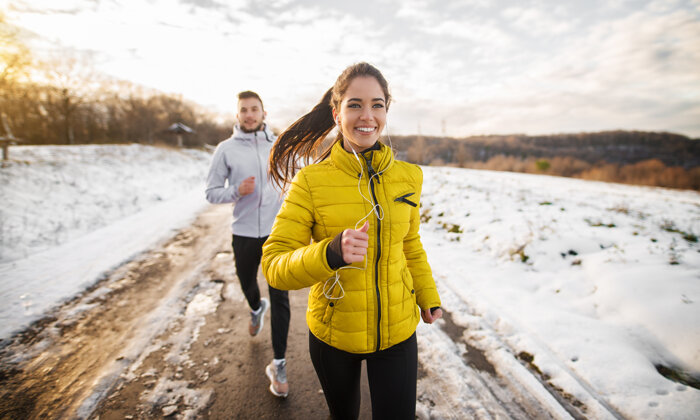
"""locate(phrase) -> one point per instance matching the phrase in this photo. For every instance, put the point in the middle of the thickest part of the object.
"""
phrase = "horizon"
(455, 69)
(546, 134)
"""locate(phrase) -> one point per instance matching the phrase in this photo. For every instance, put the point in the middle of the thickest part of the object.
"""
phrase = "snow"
(595, 280)
(598, 282)
(167, 392)
(72, 213)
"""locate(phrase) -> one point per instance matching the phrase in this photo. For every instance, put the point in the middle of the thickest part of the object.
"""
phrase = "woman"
(348, 229)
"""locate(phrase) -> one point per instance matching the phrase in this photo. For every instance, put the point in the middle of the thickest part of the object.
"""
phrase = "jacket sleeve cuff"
(428, 298)
(334, 253)
(235, 195)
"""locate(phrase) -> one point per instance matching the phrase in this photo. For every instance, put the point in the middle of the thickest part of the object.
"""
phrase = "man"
(238, 174)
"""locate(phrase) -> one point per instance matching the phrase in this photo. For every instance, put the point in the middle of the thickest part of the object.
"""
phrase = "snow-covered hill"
(595, 285)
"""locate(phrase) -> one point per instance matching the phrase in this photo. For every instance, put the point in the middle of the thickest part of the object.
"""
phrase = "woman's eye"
(354, 106)
(378, 106)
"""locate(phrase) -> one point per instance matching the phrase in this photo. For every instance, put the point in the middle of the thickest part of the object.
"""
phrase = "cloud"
(420, 10)
(486, 34)
(299, 16)
(637, 72)
(48, 7)
(472, 75)
(540, 67)
(206, 4)
(537, 21)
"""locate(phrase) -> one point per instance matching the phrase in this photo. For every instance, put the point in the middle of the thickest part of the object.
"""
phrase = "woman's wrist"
(334, 253)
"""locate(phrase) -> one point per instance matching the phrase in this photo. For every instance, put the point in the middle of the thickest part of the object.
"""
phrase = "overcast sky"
(454, 67)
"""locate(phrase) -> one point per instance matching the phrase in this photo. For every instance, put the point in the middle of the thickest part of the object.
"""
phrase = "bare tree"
(15, 61)
(73, 79)
(417, 152)
(15, 58)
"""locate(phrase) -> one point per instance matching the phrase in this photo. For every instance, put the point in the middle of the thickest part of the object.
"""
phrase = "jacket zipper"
(378, 255)
(257, 158)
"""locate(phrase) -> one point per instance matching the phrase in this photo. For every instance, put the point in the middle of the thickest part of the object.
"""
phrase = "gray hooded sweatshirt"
(235, 159)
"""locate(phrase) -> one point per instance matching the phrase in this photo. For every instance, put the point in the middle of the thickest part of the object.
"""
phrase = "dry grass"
(650, 172)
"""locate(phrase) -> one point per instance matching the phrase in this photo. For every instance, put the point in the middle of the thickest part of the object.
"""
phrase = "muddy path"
(165, 336)
(136, 345)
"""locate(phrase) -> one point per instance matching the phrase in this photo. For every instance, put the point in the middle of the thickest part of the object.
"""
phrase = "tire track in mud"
(511, 377)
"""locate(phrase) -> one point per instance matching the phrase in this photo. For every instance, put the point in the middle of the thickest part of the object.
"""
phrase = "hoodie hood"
(264, 132)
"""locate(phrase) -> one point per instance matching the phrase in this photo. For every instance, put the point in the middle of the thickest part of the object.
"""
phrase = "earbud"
(337, 120)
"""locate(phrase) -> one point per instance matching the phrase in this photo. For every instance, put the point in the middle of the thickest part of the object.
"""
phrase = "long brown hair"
(300, 141)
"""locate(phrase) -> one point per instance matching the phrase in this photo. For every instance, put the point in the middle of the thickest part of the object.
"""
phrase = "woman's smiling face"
(362, 114)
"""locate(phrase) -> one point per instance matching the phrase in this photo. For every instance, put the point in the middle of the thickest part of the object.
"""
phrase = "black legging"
(392, 375)
(247, 253)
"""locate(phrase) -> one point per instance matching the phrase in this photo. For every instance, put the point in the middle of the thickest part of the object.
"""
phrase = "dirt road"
(165, 336)
(133, 347)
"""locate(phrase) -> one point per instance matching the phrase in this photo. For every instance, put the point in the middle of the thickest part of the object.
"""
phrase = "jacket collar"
(381, 159)
(264, 133)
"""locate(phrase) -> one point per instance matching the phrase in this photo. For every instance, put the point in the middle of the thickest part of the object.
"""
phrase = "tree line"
(63, 100)
(634, 157)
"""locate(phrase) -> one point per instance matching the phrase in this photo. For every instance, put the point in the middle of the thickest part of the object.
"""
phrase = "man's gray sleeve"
(217, 192)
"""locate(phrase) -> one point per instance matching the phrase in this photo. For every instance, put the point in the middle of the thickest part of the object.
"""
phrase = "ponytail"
(300, 140)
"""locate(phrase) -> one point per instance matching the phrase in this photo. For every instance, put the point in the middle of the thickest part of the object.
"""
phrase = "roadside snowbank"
(72, 213)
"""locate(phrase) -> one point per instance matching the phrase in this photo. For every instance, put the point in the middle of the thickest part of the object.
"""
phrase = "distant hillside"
(635, 157)
(621, 147)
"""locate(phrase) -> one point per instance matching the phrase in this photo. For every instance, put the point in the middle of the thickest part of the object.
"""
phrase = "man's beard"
(258, 128)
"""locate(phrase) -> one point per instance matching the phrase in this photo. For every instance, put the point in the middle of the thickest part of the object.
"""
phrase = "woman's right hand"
(354, 244)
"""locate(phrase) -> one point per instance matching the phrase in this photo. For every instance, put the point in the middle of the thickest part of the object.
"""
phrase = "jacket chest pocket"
(401, 208)
(407, 198)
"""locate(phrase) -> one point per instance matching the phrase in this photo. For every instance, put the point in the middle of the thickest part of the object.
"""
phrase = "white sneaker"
(257, 321)
(278, 379)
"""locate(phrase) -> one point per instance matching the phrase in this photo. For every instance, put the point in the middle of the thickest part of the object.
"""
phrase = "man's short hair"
(250, 94)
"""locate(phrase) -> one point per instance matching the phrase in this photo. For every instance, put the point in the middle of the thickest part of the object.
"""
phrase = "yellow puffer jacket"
(379, 303)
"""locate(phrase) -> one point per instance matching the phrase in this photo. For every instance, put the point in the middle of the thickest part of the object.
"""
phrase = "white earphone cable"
(376, 209)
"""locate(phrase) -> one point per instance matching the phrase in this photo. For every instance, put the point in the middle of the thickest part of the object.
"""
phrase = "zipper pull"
(370, 169)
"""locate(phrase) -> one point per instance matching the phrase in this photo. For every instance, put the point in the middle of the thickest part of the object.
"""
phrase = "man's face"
(250, 114)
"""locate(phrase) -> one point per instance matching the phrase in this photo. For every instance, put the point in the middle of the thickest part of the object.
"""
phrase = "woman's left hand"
(429, 318)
